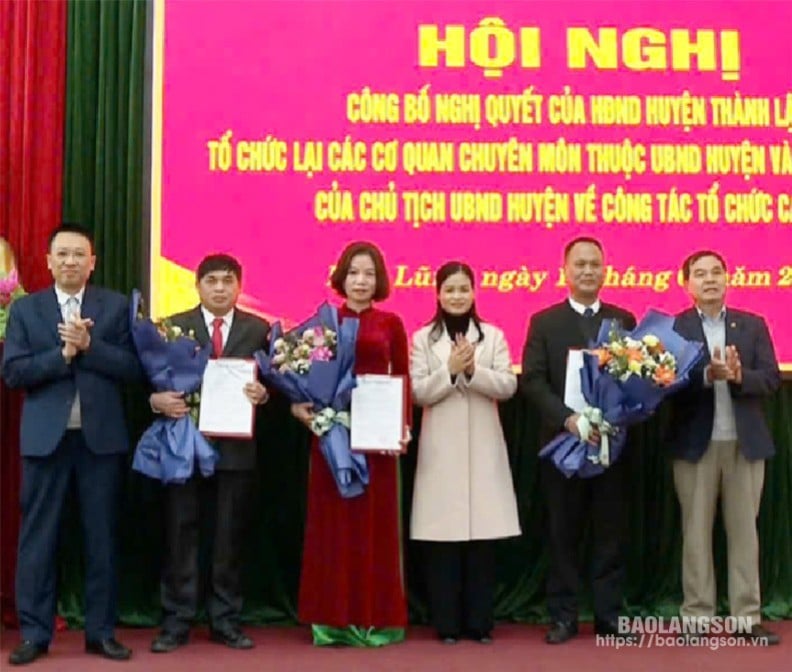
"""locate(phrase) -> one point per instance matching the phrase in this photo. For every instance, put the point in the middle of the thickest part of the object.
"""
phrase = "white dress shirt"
(580, 309)
(225, 329)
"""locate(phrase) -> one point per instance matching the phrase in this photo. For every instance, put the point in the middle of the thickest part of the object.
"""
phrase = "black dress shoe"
(560, 632)
(235, 639)
(480, 636)
(165, 642)
(27, 652)
(761, 636)
(611, 628)
(109, 648)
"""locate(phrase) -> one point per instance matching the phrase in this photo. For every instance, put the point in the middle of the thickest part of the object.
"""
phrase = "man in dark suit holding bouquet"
(233, 333)
(552, 333)
(719, 442)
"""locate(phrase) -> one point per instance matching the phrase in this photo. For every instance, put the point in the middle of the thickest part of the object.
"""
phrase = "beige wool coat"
(463, 485)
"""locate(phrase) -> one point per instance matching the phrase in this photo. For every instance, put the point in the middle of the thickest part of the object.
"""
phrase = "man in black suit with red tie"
(552, 333)
(230, 491)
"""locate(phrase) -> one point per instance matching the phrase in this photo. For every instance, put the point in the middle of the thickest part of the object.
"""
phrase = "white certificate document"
(377, 413)
(573, 395)
(225, 410)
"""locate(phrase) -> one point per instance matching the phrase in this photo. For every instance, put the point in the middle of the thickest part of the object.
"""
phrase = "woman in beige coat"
(464, 498)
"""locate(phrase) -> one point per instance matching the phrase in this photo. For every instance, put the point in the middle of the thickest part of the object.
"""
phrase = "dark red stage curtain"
(32, 96)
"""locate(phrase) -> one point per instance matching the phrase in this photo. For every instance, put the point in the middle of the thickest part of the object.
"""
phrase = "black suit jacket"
(248, 334)
(552, 332)
(693, 408)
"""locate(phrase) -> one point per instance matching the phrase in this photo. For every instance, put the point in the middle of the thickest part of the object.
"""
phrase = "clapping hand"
(462, 357)
(734, 364)
(76, 336)
(725, 366)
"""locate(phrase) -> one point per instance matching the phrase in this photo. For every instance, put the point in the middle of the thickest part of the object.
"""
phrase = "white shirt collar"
(209, 318)
(720, 316)
(581, 309)
(63, 297)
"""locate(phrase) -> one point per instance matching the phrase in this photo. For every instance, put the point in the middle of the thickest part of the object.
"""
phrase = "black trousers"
(571, 502)
(45, 486)
(228, 497)
(460, 579)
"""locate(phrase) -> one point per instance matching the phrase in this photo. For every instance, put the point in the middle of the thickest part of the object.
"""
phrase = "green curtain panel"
(103, 189)
(103, 168)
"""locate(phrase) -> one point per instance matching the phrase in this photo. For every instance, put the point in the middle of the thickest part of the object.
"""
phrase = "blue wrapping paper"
(328, 384)
(170, 449)
(622, 402)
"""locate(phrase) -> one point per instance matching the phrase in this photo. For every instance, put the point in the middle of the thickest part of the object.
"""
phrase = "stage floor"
(516, 647)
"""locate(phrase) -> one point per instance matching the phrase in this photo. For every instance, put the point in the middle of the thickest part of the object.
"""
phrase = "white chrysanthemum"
(651, 341)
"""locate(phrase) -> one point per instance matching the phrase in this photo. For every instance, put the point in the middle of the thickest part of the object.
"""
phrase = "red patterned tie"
(217, 337)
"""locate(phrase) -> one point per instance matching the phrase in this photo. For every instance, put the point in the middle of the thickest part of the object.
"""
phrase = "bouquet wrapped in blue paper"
(624, 378)
(171, 448)
(314, 363)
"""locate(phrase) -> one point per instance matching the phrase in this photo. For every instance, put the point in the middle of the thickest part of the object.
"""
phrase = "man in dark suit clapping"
(552, 333)
(68, 346)
(230, 491)
(719, 442)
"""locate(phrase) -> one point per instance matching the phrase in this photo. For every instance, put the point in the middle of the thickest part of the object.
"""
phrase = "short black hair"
(218, 262)
(71, 227)
(693, 258)
(582, 239)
